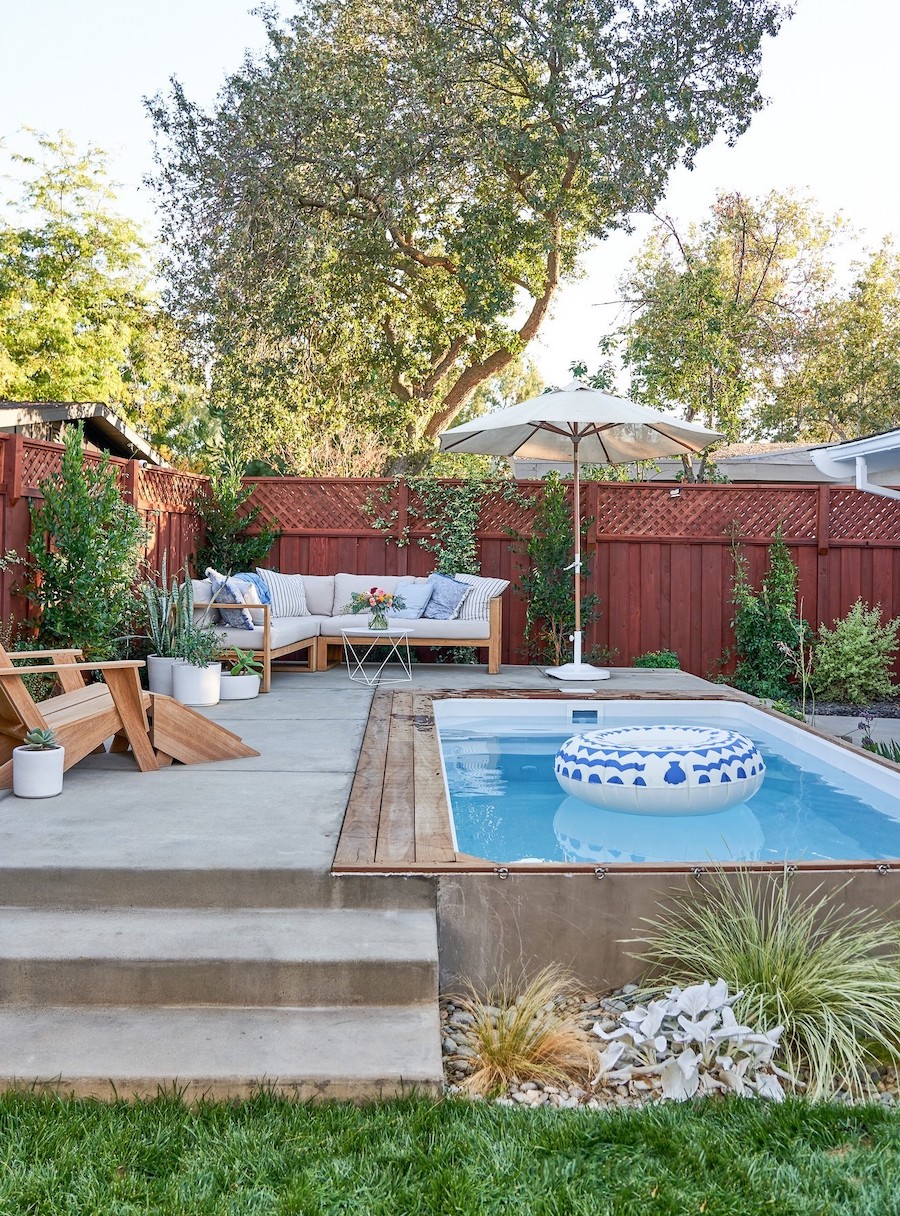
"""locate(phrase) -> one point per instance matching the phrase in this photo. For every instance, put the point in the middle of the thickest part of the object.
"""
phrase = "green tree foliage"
(721, 314)
(374, 218)
(78, 318)
(853, 659)
(766, 624)
(229, 544)
(84, 555)
(846, 381)
(546, 585)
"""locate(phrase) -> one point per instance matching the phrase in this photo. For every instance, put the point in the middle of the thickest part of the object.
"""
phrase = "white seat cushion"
(282, 631)
(422, 628)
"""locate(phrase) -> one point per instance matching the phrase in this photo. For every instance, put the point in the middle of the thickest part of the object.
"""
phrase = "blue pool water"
(508, 807)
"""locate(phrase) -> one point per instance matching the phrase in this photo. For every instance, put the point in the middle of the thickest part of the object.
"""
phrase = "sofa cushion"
(319, 590)
(203, 594)
(346, 584)
(229, 591)
(415, 597)
(475, 605)
(462, 631)
(287, 591)
(447, 597)
(282, 631)
(252, 596)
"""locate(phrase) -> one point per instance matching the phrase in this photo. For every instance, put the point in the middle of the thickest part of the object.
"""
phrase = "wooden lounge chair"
(156, 729)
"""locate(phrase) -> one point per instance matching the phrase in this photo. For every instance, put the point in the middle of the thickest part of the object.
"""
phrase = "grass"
(830, 977)
(531, 1040)
(417, 1157)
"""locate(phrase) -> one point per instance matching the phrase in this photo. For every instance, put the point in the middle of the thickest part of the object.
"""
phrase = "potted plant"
(196, 675)
(38, 765)
(242, 682)
(169, 612)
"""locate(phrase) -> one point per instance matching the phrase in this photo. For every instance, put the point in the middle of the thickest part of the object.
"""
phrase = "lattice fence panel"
(169, 489)
(301, 505)
(42, 459)
(698, 512)
(854, 515)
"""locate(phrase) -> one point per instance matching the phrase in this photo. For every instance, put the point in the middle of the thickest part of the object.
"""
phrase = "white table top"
(385, 633)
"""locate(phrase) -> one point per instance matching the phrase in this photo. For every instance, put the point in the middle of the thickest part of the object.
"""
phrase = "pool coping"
(397, 819)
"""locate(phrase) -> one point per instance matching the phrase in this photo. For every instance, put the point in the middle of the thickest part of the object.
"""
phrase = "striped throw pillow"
(475, 605)
(287, 592)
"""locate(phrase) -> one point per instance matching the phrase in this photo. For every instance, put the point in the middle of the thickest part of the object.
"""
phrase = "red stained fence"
(660, 555)
(164, 499)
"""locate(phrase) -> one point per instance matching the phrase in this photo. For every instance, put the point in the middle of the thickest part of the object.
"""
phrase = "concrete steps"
(186, 956)
(223, 1052)
(312, 1001)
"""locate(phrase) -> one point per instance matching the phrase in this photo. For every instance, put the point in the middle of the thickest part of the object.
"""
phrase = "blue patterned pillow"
(415, 596)
(228, 591)
(447, 597)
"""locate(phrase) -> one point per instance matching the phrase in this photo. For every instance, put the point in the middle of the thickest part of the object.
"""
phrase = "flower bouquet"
(377, 602)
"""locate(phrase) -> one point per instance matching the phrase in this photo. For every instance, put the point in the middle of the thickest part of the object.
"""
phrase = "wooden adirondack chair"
(156, 729)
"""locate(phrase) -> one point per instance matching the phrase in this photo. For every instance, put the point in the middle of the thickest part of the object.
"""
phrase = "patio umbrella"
(581, 424)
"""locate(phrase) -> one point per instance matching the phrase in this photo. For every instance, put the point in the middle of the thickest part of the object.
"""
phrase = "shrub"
(229, 545)
(830, 978)
(853, 660)
(657, 658)
(524, 1035)
(548, 586)
(84, 555)
(765, 622)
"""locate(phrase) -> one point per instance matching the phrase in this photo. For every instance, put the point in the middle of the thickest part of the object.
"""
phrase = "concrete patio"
(182, 927)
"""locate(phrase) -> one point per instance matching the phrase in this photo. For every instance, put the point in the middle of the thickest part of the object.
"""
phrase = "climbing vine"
(449, 511)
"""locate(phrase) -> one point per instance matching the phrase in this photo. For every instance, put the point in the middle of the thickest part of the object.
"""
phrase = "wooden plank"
(433, 841)
(396, 842)
(359, 831)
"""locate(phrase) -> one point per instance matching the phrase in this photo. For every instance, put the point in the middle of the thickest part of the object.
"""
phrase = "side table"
(359, 645)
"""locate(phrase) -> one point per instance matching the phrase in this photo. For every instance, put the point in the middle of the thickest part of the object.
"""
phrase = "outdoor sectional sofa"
(317, 633)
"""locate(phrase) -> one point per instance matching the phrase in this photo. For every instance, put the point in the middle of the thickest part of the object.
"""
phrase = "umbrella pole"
(577, 569)
(577, 670)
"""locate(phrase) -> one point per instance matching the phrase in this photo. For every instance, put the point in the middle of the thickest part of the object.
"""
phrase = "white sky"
(83, 66)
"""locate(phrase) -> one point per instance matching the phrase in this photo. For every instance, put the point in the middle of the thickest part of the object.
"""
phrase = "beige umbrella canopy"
(584, 425)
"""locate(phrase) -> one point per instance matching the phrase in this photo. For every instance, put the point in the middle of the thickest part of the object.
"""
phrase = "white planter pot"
(38, 774)
(196, 685)
(159, 672)
(239, 688)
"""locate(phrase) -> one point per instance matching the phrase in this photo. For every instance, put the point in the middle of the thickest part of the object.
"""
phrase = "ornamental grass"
(829, 976)
(524, 1032)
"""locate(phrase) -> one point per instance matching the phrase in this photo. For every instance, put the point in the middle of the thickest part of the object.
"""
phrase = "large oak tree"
(374, 217)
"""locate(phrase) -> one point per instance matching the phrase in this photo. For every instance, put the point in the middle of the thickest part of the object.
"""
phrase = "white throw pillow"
(475, 605)
(202, 589)
(251, 596)
(287, 592)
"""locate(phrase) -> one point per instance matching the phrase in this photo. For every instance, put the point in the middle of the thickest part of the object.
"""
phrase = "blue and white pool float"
(660, 770)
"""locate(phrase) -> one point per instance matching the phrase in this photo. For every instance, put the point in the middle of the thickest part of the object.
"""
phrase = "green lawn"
(267, 1156)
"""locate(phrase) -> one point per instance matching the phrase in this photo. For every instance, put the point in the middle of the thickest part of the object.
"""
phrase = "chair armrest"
(110, 665)
(41, 654)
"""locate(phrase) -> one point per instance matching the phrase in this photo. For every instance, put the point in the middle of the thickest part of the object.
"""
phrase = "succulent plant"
(40, 739)
(245, 663)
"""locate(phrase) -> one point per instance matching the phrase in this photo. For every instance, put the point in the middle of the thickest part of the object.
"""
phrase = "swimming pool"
(820, 803)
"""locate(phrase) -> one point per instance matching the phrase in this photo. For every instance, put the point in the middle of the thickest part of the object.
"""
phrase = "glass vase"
(378, 619)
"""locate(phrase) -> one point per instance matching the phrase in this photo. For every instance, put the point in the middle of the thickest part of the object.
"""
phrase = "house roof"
(880, 451)
(102, 426)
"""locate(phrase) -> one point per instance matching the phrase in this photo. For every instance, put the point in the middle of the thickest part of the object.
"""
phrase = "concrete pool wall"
(488, 925)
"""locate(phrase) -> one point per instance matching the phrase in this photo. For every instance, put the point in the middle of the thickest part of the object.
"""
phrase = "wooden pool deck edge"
(397, 818)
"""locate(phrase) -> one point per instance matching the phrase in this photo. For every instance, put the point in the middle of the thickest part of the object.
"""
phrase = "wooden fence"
(660, 554)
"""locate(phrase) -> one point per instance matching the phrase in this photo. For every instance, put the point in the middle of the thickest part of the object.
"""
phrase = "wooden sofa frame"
(331, 651)
(326, 650)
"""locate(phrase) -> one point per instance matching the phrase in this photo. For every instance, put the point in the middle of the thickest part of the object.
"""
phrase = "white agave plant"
(690, 1043)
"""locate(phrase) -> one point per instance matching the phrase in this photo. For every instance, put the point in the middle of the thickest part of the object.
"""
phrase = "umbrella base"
(577, 671)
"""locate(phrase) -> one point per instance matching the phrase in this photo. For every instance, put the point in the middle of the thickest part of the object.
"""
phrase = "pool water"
(507, 806)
